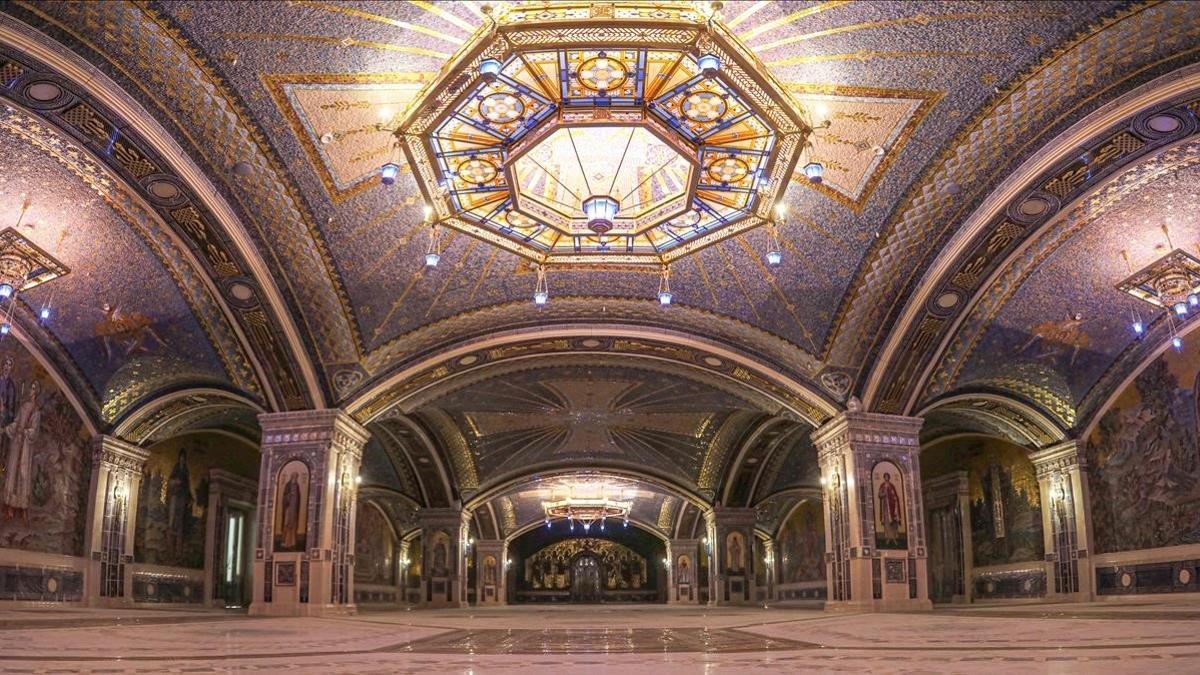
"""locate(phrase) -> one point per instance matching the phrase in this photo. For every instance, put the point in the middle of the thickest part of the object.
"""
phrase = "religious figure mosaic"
(291, 507)
(1005, 501)
(375, 546)
(891, 516)
(173, 499)
(44, 463)
(802, 544)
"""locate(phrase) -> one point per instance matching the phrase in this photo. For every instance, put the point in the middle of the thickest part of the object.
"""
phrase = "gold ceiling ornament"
(584, 133)
(1171, 282)
(23, 265)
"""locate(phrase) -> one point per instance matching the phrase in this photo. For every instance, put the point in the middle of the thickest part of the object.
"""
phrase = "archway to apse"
(558, 564)
(552, 559)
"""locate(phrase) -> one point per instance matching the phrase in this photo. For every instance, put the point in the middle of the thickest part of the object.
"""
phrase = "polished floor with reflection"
(1129, 637)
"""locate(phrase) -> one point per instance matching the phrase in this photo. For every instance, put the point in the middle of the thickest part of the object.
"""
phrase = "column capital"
(1063, 456)
(955, 483)
(332, 425)
(732, 515)
(119, 454)
(861, 430)
(229, 482)
(428, 517)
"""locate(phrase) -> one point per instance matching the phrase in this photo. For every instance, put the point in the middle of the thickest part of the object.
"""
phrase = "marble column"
(490, 572)
(731, 570)
(684, 573)
(111, 514)
(446, 545)
(404, 562)
(770, 569)
(308, 489)
(1066, 525)
(874, 521)
(948, 529)
(228, 493)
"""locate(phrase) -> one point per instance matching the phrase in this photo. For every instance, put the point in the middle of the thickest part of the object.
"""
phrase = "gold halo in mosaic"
(703, 106)
(501, 108)
(477, 171)
(728, 169)
(601, 73)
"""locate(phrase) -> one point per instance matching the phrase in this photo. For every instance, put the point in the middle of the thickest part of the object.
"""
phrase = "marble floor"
(1100, 637)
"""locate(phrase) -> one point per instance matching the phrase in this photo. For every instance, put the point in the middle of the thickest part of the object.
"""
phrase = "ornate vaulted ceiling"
(128, 323)
(985, 163)
(574, 416)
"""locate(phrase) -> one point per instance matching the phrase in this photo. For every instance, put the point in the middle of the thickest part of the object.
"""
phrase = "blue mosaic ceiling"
(926, 116)
(1054, 347)
(119, 320)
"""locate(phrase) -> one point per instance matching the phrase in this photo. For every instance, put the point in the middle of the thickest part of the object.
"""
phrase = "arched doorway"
(585, 579)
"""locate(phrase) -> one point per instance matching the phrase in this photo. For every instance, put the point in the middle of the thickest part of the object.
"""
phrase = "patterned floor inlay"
(92, 622)
(601, 641)
(1113, 615)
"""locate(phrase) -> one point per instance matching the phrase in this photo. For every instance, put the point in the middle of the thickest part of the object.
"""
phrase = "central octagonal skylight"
(579, 133)
(647, 177)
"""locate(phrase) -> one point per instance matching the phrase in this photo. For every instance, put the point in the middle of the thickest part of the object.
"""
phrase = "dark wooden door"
(585, 579)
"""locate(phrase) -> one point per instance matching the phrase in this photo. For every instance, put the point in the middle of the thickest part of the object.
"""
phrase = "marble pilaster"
(731, 571)
(490, 571)
(683, 582)
(874, 519)
(1066, 527)
(446, 546)
(111, 514)
(228, 493)
(308, 489)
(948, 526)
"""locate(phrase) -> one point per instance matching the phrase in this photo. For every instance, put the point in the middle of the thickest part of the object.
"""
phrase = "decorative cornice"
(863, 429)
(732, 516)
(953, 484)
(331, 426)
(118, 455)
(443, 518)
(1063, 457)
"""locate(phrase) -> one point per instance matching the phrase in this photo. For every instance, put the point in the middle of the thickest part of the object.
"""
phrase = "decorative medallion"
(602, 74)
(501, 108)
(728, 170)
(635, 137)
(477, 171)
(703, 106)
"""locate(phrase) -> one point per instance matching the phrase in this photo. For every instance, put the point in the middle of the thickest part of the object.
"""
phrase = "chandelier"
(1172, 283)
(580, 133)
(588, 505)
(23, 265)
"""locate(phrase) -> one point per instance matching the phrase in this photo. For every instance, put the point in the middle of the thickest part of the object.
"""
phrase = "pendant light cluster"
(22, 264)
(1171, 283)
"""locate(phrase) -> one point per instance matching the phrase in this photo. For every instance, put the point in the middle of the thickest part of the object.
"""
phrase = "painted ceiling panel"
(118, 313)
(296, 89)
(1067, 322)
(303, 71)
